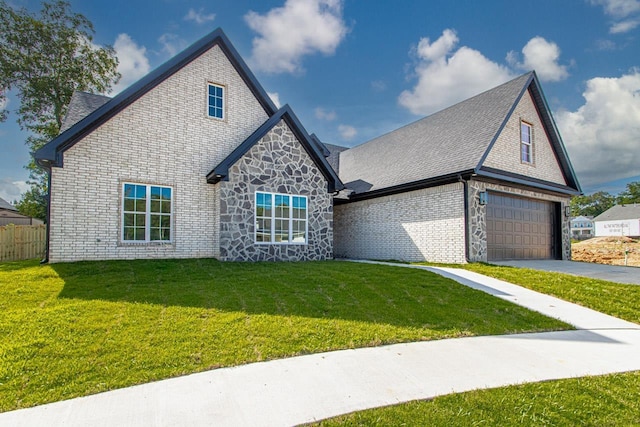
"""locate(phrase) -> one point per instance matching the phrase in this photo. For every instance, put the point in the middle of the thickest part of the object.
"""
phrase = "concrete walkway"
(613, 273)
(307, 388)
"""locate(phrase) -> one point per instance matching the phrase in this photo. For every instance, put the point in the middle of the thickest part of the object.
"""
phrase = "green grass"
(611, 400)
(80, 328)
(615, 299)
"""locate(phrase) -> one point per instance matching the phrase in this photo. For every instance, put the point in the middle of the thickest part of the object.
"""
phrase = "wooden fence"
(18, 242)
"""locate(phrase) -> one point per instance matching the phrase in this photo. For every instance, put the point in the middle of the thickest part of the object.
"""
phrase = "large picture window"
(146, 213)
(526, 143)
(281, 218)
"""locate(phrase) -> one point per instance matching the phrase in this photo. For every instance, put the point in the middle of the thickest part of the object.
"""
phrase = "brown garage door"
(519, 228)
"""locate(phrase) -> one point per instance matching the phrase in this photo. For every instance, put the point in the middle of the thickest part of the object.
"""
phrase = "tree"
(44, 60)
(592, 205)
(631, 194)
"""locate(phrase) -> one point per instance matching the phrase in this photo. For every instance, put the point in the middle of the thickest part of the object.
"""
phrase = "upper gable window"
(526, 143)
(215, 101)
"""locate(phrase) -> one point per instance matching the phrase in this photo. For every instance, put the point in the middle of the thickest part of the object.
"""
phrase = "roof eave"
(528, 181)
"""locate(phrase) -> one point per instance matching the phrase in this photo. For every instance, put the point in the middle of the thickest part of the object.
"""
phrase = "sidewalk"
(307, 388)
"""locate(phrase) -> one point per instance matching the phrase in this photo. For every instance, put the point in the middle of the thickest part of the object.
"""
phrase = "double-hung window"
(215, 101)
(147, 212)
(281, 218)
(526, 143)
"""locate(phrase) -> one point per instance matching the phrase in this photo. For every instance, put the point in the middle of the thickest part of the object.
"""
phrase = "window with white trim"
(147, 212)
(215, 101)
(281, 218)
(526, 143)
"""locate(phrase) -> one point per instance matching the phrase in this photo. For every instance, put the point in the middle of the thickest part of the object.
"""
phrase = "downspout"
(465, 190)
(47, 167)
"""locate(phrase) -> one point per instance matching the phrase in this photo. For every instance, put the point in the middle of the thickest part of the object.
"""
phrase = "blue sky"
(355, 69)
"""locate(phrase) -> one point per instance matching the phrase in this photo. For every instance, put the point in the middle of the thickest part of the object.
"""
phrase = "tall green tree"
(43, 60)
(592, 204)
(631, 194)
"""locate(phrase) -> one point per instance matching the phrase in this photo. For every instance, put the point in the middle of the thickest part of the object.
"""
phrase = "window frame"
(147, 213)
(223, 101)
(273, 217)
(528, 144)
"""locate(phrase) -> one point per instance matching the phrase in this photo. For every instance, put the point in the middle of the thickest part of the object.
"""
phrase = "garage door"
(519, 228)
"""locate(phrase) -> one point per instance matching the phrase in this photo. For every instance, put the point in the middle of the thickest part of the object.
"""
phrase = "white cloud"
(446, 76)
(602, 135)
(624, 26)
(299, 28)
(275, 97)
(199, 17)
(347, 132)
(542, 56)
(620, 10)
(378, 85)
(322, 114)
(132, 62)
(171, 43)
(11, 190)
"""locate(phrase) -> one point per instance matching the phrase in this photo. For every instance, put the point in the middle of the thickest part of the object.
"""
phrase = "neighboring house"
(619, 220)
(582, 227)
(10, 215)
(195, 160)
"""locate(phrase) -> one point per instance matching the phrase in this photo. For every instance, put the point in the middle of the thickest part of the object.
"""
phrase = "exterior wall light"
(567, 211)
(483, 198)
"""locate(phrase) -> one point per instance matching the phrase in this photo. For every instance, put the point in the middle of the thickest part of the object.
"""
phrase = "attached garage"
(520, 228)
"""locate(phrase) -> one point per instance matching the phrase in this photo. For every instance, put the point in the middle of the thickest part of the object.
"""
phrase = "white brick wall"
(165, 138)
(505, 154)
(421, 225)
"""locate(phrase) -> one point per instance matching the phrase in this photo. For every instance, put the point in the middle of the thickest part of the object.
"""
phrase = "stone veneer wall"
(477, 227)
(420, 225)
(278, 163)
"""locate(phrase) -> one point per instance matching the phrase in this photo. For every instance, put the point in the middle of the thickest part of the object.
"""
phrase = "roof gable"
(52, 153)
(570, 184)
(451, 142)
(311, 146)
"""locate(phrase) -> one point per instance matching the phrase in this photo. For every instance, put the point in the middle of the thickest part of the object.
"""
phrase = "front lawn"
(610, 400)
(75, 329)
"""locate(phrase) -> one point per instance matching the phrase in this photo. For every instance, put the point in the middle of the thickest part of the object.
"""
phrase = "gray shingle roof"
(81, 105)
(334, 155)
(619, 212)
(6, 205)
(448, 142)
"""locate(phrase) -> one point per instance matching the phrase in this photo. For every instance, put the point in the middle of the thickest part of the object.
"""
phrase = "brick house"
(195, 160)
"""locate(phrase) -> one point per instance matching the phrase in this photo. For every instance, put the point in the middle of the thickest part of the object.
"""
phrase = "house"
(582, 227)
(619, 220)
(195, 160)
(10, 215)
(486, 179)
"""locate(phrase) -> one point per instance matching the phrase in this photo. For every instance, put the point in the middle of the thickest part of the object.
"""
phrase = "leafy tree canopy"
(596, 203)
(43, 60)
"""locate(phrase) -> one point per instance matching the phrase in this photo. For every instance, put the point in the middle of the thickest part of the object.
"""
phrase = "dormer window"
(526, 143)
(215, 106)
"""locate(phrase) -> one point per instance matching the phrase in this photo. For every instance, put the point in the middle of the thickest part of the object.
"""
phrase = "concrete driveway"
(613, 273)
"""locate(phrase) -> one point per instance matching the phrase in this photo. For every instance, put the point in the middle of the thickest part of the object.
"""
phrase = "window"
(281, 218)
(146, 213)
(526, 143)
(215, 105)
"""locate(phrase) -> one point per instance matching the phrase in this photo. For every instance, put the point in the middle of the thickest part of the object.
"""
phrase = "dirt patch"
(608, 250)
